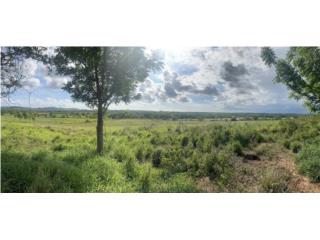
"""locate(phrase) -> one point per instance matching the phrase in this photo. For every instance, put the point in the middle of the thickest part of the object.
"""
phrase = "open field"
(47, 154)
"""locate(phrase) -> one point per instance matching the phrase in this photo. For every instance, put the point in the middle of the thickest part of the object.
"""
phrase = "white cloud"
(30, 84)
(252, 86)
(55, 81)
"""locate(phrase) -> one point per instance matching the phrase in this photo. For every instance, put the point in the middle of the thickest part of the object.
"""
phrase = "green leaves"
(299, 71)
(268, 56)
(104, 75)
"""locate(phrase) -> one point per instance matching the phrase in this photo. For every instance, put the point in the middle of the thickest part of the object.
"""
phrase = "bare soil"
(249, 173)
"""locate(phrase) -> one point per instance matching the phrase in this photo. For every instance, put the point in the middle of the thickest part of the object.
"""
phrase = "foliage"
(309, 161)
(56, 154)
(299, 71)
(11, 66)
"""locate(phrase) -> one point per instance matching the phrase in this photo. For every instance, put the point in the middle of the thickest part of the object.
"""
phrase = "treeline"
(20, 112)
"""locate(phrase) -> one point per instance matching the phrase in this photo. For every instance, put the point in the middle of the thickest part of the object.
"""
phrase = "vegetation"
(299, 71)
(11, 66)
(57, 154)
(101, 76)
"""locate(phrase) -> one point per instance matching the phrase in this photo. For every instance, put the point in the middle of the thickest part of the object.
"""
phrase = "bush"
(140, 154)
(184, 141)
(58, 148)
(295, 147)
(309, 162)
(156, 158)
(145, 180)
(130, 167)
(121, 153)
(17, 171)
(237, 148)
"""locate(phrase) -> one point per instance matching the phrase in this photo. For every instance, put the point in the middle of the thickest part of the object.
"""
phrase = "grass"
(143, 155)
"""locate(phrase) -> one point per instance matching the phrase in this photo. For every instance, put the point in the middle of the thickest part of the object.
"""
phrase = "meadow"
(56, 153)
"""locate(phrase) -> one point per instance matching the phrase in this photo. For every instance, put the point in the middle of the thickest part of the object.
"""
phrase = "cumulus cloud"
(30, 84)
(196, 79)
(236, 77)
(55, 81)
(175, 88)
(32, 69)
(220, 77)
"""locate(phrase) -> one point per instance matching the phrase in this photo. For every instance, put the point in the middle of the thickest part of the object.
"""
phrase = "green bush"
(59, 147)
(156, 158)
(308, 161)
(17, 171)
(184, 141)
(130, 167)
(295, 147)
(236, 148)
(145, 180)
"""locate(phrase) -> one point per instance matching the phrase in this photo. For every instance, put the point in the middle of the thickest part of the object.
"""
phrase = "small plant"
(140, 154)
(212, 166)
(275, 181)
(295, 147)
(130, 167)
(58, 148)
(156, 158)
(145, 181)
(309, 162)
(184, 141)
(237, 148)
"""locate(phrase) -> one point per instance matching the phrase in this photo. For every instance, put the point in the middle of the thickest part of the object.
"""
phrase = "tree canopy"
(299, 71)
(11, 66)
(104, 75)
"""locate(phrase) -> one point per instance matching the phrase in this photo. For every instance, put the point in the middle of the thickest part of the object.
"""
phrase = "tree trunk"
(100, 130)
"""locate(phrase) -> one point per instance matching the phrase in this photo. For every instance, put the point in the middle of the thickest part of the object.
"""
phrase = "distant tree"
(299, 71)
(12, 59)
(103, 76)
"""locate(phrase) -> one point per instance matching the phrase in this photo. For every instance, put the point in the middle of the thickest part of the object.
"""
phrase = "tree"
(299, 71)
(103, 76)
(12, 59)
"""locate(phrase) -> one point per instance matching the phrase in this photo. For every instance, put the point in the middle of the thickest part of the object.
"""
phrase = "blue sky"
(219, 79)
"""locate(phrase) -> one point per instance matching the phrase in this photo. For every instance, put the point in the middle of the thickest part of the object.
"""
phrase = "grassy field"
(143, 155)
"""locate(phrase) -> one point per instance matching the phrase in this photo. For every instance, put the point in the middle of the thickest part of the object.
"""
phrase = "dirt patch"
(251, 174)
(301, 183)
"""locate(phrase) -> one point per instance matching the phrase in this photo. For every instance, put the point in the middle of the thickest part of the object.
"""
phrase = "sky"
(206, 79)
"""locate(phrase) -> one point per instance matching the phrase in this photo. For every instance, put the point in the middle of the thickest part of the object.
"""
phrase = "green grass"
(142, 155)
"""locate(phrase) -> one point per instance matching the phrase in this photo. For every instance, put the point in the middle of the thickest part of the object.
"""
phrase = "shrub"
(184, 141)
(295, 147)
(309, 162)
(130, 167)
(156, 158)
(213, 168)
(145, 180)
(17, 171)
(236, 148)
(286, 144)
(140, 154)
(59, 147)
(121, 153)
(288, 126)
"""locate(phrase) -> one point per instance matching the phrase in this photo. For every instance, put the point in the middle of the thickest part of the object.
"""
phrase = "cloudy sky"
(211, 79)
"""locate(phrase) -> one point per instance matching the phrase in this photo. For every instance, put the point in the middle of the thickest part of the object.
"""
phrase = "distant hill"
(46, 109)
(122, 114)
